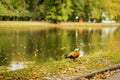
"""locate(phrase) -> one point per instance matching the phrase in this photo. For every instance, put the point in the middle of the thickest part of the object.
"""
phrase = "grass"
(37, 23)
(65, 67)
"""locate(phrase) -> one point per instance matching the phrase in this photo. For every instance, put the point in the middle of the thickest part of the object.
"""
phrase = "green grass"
(37, 23)
(66, 67)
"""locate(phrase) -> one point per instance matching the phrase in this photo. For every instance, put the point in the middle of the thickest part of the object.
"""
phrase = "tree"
(14, 9)
(113, 8)
(56, 11)
(78, 9)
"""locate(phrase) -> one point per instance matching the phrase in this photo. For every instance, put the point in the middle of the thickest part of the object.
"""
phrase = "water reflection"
(108, 33)
(17, 65)
(51, 44)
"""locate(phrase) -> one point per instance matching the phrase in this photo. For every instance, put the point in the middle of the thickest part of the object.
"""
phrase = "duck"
(73, 55)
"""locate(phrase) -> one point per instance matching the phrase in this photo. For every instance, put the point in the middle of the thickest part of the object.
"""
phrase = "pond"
(20, 48)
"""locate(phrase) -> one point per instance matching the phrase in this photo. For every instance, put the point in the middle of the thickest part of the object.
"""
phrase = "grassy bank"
(65, 67)
(36, 23)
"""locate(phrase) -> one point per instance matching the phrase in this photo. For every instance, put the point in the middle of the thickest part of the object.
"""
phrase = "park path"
(116, 76)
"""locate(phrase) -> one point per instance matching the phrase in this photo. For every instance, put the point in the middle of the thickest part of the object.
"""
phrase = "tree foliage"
(59, 10)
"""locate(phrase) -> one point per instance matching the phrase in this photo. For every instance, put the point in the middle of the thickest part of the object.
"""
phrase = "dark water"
(21, 47)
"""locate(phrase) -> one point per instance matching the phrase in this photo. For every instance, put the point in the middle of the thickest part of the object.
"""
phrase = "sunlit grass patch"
(62, 24)
(97, 61)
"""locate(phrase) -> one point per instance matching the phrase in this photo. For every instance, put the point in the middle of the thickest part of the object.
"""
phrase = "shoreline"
(35, 25)
(52, 24)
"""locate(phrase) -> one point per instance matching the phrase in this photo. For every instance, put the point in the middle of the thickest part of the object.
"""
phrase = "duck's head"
(76, 49)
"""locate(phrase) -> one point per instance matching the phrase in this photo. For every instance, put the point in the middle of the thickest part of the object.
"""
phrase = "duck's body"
(73, 54)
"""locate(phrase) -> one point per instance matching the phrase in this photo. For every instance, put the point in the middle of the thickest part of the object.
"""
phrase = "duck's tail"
(66, 56)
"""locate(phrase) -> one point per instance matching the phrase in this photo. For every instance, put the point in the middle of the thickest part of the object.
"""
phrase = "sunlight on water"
(17, 65)
(107, 33)
(81, 53)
